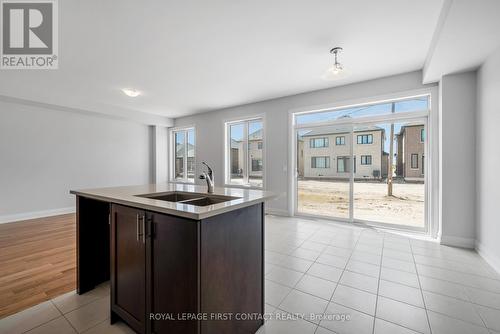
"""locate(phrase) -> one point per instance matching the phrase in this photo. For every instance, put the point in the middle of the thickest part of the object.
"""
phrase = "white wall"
(210, 127)
(457, 168)
(44, 153)
(488, 160)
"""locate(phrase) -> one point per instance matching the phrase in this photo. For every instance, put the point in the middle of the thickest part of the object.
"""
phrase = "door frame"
(430, 116)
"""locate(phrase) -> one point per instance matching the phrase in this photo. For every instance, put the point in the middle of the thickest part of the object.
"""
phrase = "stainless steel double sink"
(196, 199)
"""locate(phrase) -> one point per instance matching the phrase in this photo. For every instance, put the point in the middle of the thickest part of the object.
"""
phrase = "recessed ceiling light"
(337, 70)
(131, 92)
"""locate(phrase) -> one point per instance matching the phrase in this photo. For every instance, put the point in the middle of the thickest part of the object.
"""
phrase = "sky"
(237, 129)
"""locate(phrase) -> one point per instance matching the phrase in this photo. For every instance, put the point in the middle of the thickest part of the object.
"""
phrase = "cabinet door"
(174, 264)
(128, 266)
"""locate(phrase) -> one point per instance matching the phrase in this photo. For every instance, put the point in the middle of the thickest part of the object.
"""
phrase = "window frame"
(247, 161)
(173, 151)
(313, 140)
(341, 141)
(411, 160)
(362, 136)
(315, 164)
(422, 135)
(367, 160)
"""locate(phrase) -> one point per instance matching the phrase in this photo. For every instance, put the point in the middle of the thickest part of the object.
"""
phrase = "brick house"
(410, 161)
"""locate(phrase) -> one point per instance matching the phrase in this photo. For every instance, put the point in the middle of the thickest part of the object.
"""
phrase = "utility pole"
(391, 154)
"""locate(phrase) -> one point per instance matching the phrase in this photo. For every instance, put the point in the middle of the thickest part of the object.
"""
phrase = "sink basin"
(175, 196)
(204, 201)
(197, 199)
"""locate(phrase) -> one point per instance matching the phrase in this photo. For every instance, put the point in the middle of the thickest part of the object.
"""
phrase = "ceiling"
(193, 56)
(468, 32)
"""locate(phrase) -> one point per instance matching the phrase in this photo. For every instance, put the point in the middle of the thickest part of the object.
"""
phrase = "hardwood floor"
(37, 261)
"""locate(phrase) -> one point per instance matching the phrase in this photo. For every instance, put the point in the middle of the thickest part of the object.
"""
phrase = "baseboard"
(35, 214)
(277, 212)
(457, 242)
(490, 257)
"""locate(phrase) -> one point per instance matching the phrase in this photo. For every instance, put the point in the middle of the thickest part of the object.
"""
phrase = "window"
(256, 165)
(340, 140)
(366, 159)
(414, 104)
(365, 139)
(423, 164)
(320, 162)
(318, 142)
(244, 153)
(422, 135)
(184, 164)
(342, 164)
(414, 161)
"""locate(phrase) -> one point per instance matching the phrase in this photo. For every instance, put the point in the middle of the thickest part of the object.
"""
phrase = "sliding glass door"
(324, 171)
(368, 169)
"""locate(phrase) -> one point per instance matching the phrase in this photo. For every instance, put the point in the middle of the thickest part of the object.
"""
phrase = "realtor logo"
(29, 34)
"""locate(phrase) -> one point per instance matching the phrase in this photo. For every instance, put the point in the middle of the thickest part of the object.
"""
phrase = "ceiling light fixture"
(337, 70)
(131, 92)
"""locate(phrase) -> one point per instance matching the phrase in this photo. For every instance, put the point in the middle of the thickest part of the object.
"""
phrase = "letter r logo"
(27, 27)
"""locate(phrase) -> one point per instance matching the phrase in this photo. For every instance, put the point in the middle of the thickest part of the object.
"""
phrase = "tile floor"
(382, 282)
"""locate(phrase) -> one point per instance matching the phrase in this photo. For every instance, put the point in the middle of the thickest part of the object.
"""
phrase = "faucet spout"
(209, 177)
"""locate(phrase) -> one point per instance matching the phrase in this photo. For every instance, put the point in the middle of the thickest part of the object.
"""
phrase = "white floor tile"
(284, 323)
(359, 281)
(397, 255)
(316, 286)
(399, 276)
(366, 257)
(59, 325)
(452, 307)
(357, 299)
(326, 272)
(387, 262)
(29, 318)
(443, 287)
(306, 254)
(331, 260)
(442, 324)
(296, 264)
(356, 323)
(403, 314)
(284, 276)
(482, 297)
(275, 293)
(363, 268)
(302, 303)
(385, 327)
(89, 315)
(71, 300)
(400, 292)
(338, 251)
(106, 328)
(490, 316)
(315, 246)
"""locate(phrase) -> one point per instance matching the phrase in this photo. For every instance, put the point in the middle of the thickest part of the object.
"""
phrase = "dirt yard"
(331, 198)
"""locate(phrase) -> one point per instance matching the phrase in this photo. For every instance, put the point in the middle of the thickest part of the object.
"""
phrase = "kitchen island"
(179, 260)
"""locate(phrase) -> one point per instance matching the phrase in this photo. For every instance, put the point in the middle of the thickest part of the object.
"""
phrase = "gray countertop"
(128, 196)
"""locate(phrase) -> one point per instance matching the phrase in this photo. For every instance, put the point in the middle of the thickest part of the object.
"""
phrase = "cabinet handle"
(143, 230)
(137, 226)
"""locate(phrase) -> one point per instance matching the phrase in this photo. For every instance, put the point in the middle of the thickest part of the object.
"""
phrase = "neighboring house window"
(183, 155)
(366, 159)
(422, 135)
(256, 165)
(365, 139)
(244, 153)
(340, 140)
(318, 142)
(320, 162)
(414, 161)
(342, 164)
(423, 164)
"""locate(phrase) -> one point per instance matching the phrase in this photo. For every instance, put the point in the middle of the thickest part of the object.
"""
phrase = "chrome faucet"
(209, 177)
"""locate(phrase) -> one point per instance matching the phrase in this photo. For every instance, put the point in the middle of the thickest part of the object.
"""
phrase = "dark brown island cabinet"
(171, 274)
